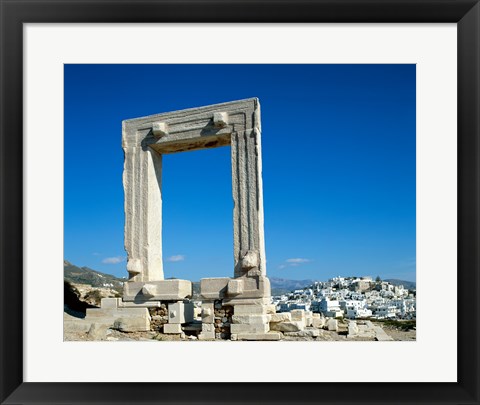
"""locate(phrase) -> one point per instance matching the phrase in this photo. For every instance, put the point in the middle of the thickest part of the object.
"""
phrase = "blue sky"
(338, 168)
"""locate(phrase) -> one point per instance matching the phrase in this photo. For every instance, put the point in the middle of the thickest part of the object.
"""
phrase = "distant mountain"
(411, 285)
(85, 275)
(283, 286)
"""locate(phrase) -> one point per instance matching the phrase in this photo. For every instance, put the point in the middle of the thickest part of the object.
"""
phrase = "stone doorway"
(243, 299)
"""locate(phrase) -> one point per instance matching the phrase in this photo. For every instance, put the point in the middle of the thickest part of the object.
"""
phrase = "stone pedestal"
(250, 297)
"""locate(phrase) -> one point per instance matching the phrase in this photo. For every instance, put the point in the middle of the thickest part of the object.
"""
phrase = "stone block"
(332, 325)
(298, 315)
(172, 328)
(208, 327)
(241, 300)
(214, 288)
(292, 326)
(92, 313)
(180, 312)
(254, 288)
(159, 129)
(250, 260)
(97, 331)
(318, 322)
(220, 119)
(251, 319)
(250, 309)
(111, 303)
(235, 286)
(208, 312)
(164, 290)
(132, 324)
(271, 309)
(260, 336)
(132, 319)
(138, 304)
(207, 336)
(242, 328)
(352, 329)
(281, 317)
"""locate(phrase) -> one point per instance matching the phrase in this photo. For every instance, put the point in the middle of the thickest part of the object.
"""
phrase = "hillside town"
(352, 298)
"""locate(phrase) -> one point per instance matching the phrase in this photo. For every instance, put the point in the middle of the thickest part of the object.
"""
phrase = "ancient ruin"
(245, 297)
(235, 308)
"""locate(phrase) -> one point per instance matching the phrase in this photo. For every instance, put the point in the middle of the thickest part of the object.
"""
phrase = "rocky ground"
(79, 297)
(110, 335)
(398, 333)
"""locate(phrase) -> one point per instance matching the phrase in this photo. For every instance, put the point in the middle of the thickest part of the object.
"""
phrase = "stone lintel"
(177, 127)
(164, 290)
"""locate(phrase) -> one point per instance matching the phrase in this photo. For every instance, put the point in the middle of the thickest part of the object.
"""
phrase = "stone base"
(208, 332)
(164, 290)
(124, 319)
(233, 290)
(258, 336)
(252, 328)
(113, 315)
(172, 328)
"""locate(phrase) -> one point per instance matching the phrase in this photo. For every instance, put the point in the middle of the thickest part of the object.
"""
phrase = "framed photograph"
(61, 60)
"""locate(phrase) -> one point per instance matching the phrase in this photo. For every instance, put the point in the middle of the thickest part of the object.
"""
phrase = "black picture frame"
(465, 13)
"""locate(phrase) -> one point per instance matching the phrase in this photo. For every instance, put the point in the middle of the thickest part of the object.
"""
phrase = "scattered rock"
(304, 333)
(332, 325)
(281, 317)
(97, 331)
(318, 322)
(293, 326)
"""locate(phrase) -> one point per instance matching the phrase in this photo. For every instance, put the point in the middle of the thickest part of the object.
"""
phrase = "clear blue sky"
(338, 168)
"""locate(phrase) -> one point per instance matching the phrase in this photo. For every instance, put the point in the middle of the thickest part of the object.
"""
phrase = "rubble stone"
(281, 317)
(332, 325)
(292, 326)
(318, 322)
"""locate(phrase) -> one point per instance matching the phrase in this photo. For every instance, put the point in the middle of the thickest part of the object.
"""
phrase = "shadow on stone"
(72, 303)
